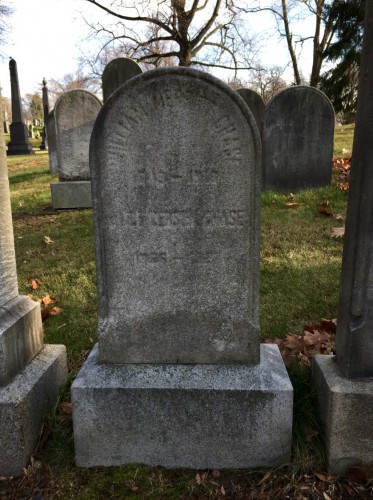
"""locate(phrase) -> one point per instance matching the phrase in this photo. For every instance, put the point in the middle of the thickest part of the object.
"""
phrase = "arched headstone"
(175, 164)
(117, 72)
(255, 103)
(297, 135)
(75, 113)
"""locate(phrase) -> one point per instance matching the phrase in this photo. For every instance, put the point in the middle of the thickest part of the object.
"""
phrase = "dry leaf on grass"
(293, 204)
(325, 209)
(35, 284)
(316, 339)
(48, 241)
(338, 232)
(66, 407)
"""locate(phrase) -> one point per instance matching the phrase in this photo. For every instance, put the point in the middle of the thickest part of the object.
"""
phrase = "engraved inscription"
(182, 219)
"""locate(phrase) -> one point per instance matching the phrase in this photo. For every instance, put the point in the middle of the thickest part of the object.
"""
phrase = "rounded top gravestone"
(255, 103)
(175, 170)
(75, 113)
(297, 135)
(117, 72)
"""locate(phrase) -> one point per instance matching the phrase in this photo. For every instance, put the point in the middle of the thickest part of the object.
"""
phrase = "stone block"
(71, 194)
(196, 416)
(23, 404)
(21, 336)
(345, 407)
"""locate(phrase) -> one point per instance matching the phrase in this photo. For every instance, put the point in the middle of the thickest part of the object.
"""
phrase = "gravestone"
(345, 381)
(297, 135)
(30, 374)
(75, 113)
(117, 72)
(31, 131)
(179, 378)
(19, 143)
(255, 103)
(52, 143)
(44, 142)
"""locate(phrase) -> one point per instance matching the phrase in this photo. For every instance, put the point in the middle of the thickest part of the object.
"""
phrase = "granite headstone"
(117, 72)
(175, 165)
(75, 113)
(297, 135)
(255, 103)
(345, 381)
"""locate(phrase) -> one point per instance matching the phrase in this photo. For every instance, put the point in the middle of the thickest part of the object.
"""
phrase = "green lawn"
(300, 273)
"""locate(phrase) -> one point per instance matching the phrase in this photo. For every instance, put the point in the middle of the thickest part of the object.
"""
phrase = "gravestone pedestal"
(179, 378)
(71, 194)
(345, 382)
(197, 416)
(345, 407)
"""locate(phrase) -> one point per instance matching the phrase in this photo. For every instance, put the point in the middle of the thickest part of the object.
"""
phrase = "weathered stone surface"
(19, 143)
(175, 165)
(75, 113)
(73, 194)
(21, 336)
(297, 135)
(346, 413)
(23, 404)
(52, 143)
(198, 416)
(354, 340)
(255, 103)
(117, 72)
(8, 270)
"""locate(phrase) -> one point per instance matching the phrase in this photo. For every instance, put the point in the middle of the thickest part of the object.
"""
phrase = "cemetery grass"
(300, 272)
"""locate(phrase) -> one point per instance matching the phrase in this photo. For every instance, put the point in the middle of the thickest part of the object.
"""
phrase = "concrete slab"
(23, 404)
(71, 194)
(196, 416)
(346, 412)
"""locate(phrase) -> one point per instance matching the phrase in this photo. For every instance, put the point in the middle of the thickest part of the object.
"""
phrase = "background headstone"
(117, 72)
(255, 103)
(19, 143)
(52, 143)
(345, 382)
(30, 374)
(75, 113)
(44, 135)
(175, 163)
(297, 135)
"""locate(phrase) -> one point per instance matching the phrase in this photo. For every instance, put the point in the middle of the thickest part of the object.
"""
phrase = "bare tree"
(72, 81)
(5, 12)
(267, 82)
(204, 33)
(287, 13)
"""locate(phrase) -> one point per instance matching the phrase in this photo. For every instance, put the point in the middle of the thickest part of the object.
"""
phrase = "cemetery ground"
(300, 265)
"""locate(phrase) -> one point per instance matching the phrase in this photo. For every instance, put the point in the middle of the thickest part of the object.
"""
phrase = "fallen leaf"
(293, 204)
(32, 195)
(66, 407)
(326, 496)
(48, 241)
(47, 300)
(21, 203)
(216, 473)
(35, 284)
(325, 209)
(198, 479)
(55, 310)
(222, 489)
(338, 232)
(327, 478)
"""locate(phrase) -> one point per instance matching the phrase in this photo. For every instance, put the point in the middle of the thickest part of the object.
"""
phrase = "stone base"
(346, 411)
(195, 416)
(23, 404)
(71, 194)
(21, 336)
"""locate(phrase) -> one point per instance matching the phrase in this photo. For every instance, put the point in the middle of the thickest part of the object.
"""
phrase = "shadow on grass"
(26, 176)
